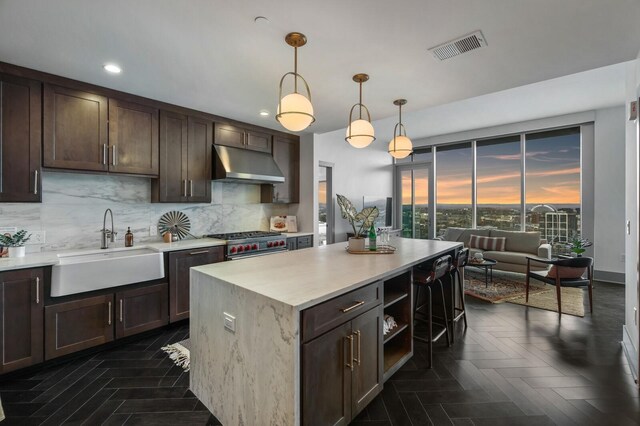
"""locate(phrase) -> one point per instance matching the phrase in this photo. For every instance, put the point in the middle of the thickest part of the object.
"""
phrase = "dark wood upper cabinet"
(20, 139)
(199, 151)
(179, 264)
(141, 309)
(229, 136)
(171, 185)
(185, 159)
(258, 141)
(286, 153)
(133, 138)
(239, 137)
(85, 131)
(21, 318)
(75, 129)
(80, 324)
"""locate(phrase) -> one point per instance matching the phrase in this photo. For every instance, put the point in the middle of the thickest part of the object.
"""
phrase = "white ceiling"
(211, 56)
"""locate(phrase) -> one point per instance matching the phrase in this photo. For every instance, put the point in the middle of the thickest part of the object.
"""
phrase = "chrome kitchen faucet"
(107, 233)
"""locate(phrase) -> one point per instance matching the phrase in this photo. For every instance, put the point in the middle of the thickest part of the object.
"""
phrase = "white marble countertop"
(50, 258)
(304, 278)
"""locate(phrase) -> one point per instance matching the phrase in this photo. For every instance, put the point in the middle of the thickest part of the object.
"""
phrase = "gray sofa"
(518, 246)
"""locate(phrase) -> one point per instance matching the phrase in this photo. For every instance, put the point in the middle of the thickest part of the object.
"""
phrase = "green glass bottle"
(372, 238)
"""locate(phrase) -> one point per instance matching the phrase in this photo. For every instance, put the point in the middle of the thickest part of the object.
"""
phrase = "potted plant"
(15, 242)
(360, 221)
(579, 245)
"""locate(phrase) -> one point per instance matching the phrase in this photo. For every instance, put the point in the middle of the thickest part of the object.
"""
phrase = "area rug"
(505, 286)
(179, 353)
(572, 300)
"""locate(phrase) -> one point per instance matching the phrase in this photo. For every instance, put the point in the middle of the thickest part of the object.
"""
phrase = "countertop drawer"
(323, 317)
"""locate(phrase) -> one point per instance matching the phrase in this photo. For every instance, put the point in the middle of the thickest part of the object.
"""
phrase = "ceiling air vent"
(459, 46)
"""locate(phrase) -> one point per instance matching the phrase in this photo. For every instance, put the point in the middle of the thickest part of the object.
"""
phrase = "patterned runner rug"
(505, 285)
(179, 353)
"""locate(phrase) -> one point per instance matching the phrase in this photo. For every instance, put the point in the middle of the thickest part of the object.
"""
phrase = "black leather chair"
(457, 277)
(423, 312)
(560, 264)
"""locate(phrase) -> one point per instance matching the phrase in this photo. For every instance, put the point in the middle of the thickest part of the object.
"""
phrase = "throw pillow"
(566, 272)
(487, 243)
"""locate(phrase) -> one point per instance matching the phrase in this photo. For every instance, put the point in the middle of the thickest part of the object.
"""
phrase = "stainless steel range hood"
(242, 165)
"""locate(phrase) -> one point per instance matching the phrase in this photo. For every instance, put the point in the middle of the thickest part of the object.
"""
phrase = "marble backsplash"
(73, 207)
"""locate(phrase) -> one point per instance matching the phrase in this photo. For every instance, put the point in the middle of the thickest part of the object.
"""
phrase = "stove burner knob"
(247, 247)
(233, 249)
(270, 244)
(254, 247)
(282, 243)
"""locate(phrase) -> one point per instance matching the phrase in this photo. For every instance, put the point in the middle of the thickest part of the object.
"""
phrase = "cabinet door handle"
(184, 188)
(114, 155)
(350, 358)
(121, 313)
(105, 154)
(35, 182)
(109, 323)
(193, 253)
(37, 290)
(352, 307)
(190, 188)
(357, 359)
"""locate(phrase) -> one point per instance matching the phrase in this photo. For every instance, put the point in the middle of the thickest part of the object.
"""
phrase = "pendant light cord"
(360, 100)
(295, 70)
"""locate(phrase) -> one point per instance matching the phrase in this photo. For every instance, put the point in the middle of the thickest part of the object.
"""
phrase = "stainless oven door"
(247, 256)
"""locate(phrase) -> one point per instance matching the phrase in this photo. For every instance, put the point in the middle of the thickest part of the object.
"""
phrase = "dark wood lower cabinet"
(21, 318)
(368, 373)
(141, 309)
(80, 324)
(342, 370)
(326, 378)
(179, 264)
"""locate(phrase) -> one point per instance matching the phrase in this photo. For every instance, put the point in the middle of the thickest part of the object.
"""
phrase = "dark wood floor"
(512, 366)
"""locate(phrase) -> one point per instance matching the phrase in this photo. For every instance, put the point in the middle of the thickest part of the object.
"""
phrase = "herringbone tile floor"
(512, 366)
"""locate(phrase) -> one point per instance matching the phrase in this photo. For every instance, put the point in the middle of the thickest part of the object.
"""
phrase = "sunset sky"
(552, 173)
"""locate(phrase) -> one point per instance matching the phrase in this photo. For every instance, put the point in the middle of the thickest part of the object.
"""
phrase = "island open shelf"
(398, 342)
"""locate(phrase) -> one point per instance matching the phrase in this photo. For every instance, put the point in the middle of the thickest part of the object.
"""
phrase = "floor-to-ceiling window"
(414, 181)
(325, 204)
(552, 165)
(453, 186)
(528, 181)
(498, 183)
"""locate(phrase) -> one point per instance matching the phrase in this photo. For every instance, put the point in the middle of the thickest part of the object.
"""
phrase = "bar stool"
(457, 271)
(423, 279)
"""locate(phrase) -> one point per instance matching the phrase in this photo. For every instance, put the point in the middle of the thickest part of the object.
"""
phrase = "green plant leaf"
(347, 210)
(18, 239)
(367, 216)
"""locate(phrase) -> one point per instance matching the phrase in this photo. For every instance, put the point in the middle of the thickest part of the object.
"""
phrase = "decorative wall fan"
(175, 222)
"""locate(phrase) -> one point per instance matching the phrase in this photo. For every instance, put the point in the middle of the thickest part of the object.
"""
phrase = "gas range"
(252, 243)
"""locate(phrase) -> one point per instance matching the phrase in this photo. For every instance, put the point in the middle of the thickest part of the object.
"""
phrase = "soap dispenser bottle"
(128, 238)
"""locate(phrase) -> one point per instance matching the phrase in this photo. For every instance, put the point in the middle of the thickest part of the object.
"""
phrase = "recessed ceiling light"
(112, 68)
(264, 113)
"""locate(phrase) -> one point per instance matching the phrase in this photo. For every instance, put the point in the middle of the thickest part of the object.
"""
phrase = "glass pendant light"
(360, 132)
(400, 146)
(295, 111)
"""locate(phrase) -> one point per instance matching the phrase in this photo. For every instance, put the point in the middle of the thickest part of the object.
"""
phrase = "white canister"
(17, 251)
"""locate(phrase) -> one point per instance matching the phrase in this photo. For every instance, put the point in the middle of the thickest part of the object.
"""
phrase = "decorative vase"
(356, 244)
(16, 251)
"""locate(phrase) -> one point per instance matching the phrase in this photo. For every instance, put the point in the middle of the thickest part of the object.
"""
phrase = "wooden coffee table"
(487, 265)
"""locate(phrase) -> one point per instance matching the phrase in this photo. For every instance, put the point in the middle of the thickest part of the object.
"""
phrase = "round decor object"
(175, 222)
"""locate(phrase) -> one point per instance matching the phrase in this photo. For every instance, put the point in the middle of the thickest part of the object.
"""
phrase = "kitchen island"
(257, 325)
